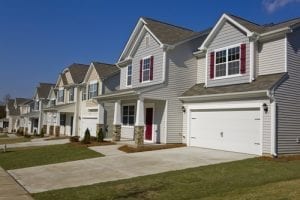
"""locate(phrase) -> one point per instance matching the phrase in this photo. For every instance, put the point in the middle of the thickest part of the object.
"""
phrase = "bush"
(74, 139)
(87, 137)
(27, 136)
(34, 132)
(93, 139)
(100, 135)
(42, 134)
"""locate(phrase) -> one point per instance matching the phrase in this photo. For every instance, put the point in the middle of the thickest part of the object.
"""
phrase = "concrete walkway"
(37, 142)
(10, 189)
(117, 166)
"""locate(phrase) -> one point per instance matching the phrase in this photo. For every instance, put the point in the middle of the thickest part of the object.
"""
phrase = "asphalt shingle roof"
(78, 72)
(105, 70)
(263, 82)
(43, 89)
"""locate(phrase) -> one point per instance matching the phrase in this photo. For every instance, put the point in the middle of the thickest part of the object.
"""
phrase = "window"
(52, 102)
(71, 94)
(129, 75)
(60, 96)
(93, 90)
(83, 94)
(63, 119)
(36, 105)
(128, 115)
(228, 62)
(146, 69)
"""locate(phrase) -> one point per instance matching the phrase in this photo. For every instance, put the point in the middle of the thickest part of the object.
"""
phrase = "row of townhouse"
(234, 87)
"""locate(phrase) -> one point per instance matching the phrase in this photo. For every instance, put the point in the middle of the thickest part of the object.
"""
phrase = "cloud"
(273, 5)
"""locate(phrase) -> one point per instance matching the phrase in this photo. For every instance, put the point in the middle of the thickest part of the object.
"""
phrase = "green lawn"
(3, 136)
(247, 179)
(7, 140)
(33, 156)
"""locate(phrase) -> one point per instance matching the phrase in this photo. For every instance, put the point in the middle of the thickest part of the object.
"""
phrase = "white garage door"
(231, 130)
(90, 123)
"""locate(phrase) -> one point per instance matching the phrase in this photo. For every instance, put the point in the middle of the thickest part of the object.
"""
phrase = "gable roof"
(164, 33)
(77, 71)
(248, 27)
(20, 101)
(105, 70)
(168, 33)
(43, 90)
(263, 82)
(11, 107)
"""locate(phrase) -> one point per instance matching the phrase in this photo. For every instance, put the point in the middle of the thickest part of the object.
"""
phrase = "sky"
(39, 38)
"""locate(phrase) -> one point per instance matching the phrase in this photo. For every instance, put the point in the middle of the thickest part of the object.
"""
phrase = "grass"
(248, 179)
(131, 149)
(34, 156)
(14, 140)
(3, 136)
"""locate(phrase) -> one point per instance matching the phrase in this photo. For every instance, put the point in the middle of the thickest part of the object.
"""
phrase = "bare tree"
(6, 98)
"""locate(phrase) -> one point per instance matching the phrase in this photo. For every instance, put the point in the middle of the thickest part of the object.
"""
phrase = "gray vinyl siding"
(271, 57)
(201, 63)
(181, 68)
(266, 142)
(227, 36)
(142, 51)
(288, 100)
(111, 84)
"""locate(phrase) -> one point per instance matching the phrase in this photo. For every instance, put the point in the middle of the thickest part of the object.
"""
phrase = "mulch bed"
(131, 149)
(285, 158)
(58, 138)
(92, 144)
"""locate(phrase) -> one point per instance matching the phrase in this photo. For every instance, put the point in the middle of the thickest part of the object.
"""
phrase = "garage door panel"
(232, 130)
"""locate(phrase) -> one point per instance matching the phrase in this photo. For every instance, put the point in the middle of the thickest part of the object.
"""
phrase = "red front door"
(149, 123)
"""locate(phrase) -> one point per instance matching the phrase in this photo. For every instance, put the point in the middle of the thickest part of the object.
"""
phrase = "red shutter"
(151, 67)
(212, 65)
(243, 58)
(141, 69)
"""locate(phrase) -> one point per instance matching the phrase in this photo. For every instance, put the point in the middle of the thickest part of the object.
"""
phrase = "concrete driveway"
(118, 166)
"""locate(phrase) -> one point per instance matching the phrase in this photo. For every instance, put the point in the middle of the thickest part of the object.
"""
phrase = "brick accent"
(51, 130)
(116, 133)
(139, 135)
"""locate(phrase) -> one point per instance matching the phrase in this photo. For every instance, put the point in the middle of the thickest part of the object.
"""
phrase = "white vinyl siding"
(227, 36)
(271, 57)
(129, 75)
(201, 70)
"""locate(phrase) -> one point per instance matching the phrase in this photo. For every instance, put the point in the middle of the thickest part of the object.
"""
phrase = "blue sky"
(39, 38)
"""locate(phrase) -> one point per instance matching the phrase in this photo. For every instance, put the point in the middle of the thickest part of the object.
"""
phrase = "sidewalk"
(10, 189)
(38, 142)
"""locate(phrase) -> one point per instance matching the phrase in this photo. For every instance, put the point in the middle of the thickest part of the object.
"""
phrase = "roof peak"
(166, 23)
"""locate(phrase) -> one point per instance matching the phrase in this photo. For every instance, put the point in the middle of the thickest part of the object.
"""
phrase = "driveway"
(118, 166)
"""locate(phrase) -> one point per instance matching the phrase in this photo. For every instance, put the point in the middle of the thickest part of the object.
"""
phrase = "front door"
(72, 125)
(149, 123)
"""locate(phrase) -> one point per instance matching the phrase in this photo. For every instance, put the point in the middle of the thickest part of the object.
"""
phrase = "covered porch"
(136, 118)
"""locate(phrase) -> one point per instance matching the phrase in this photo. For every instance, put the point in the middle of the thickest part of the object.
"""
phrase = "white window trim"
(144, 58)
(127, 125)
(215, 65)
(59, 90)
(127, 76)
(93, 83)
(73, 94)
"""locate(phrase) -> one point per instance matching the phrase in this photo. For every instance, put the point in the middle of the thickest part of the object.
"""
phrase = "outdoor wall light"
(265, 107)
(183, 109)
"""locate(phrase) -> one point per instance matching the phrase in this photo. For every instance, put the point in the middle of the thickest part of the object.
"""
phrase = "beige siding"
(69, 77)
(288, 100)
(93, 75)
(227, 36)
(201, 63)
(60, 83)
(271, 57)
(141, 52)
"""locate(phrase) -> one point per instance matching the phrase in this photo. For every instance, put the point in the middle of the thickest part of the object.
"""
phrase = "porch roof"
(261, 85)
(4, 120)
(34, 114)
(68, 108)
(119, 94)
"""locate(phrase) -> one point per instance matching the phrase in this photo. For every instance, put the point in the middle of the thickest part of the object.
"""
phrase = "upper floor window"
(129, 75)
(60, 95)
(36, 105)
(128, 115)
(93, 90)
(52, 102)
(83, 94)
(146, 69)
(71, 94)
(228, 62)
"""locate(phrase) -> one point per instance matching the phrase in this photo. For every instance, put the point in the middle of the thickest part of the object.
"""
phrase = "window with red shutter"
(212, 65)
(151, 67)
(243, 58)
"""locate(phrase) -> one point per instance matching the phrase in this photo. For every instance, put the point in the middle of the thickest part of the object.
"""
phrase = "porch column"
(76, 111)
(117, 122)
(57, 127)
(40, 120)
(139, 123)
(100, 123)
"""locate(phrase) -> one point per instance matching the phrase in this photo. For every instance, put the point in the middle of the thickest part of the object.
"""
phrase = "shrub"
(34, 132)
(93, 139)
(27, 136)
(100, 135)
(74, 139)
(87, 137)
(42, 134)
